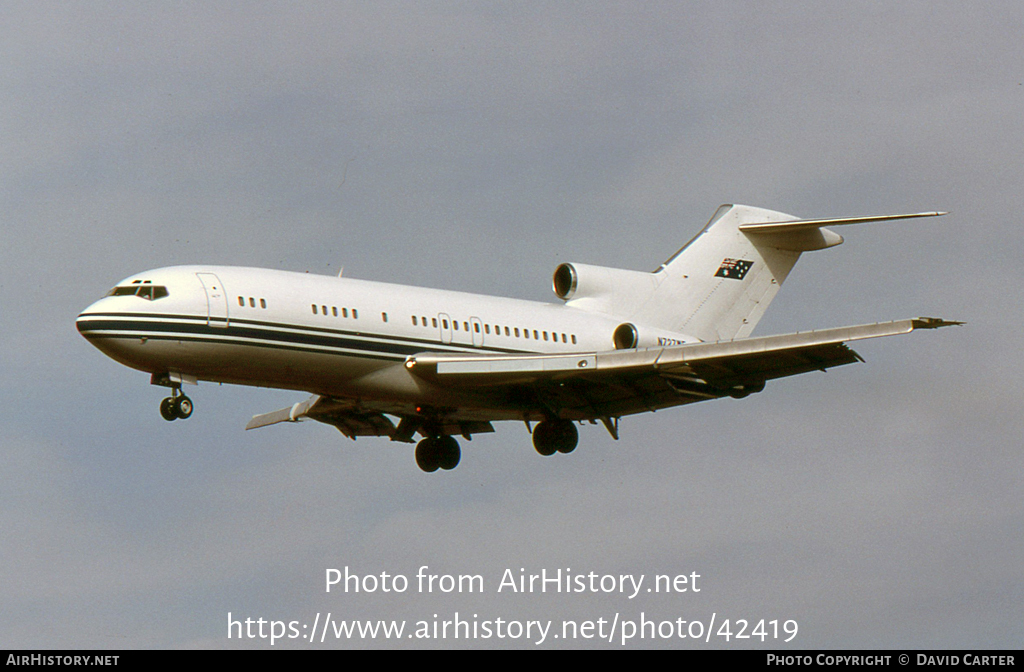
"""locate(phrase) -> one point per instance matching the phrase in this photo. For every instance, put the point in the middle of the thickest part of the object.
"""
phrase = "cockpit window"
(152, 292)
(145, 291)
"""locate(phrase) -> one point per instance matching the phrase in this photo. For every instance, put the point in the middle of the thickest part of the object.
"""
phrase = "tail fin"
(718, 286)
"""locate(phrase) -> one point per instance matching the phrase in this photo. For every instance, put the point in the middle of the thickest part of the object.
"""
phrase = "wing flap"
(775, 364)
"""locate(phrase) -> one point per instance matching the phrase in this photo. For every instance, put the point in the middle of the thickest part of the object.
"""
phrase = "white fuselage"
(332, 336)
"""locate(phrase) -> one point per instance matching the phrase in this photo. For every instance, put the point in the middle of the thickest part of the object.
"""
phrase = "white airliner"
(449, 363)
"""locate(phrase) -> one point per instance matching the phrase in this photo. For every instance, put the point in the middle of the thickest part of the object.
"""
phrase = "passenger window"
(355, 314)
(414, 321)
(433, 321)
(313, 306)
(384, 316)
(344, 312)
(263, 303)
(334, 310)
(241, 302)
(252, 302)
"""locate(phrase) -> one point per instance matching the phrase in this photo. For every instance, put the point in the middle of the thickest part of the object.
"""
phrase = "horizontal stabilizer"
(807, 224)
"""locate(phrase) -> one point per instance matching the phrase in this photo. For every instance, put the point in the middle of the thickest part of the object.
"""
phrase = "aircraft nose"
(83, 319)
(80, 323)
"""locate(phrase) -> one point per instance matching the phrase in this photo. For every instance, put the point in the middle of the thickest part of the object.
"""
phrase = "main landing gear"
(555, 436)
(438, 452)
(176, 406)
(549, 437)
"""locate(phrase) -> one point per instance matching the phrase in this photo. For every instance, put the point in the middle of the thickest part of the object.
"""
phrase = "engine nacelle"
(597, 288)
(628, 335)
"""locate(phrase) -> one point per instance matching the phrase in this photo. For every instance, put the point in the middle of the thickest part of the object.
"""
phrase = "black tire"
(544, 439)
(448, 453)
(567, 436)
(183, 407)
(167, 409)
(427, 454)
(555, 436)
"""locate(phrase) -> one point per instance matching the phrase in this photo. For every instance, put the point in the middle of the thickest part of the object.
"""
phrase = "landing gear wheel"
(182, 407)
(167, 410)
(426, 454)
(555, 436)
(438, 452)
(542, 439)
(568, 437)
(449, 453)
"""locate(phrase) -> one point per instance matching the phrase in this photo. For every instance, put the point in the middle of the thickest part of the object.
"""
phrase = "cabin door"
(216, 300)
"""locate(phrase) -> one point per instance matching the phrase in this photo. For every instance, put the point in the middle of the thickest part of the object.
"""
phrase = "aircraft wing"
(354, 419)
(602, 385)
(349, 421)
(621, 382)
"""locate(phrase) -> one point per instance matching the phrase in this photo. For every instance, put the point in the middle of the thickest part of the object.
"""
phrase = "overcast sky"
(475, 146)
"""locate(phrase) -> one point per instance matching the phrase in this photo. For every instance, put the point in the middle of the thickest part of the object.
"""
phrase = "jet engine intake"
(625, 336)
(573, 282)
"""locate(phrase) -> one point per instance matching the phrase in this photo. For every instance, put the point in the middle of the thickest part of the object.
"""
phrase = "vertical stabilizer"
(718, 286)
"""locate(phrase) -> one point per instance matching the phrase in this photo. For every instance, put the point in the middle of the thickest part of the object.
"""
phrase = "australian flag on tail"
(734, 269)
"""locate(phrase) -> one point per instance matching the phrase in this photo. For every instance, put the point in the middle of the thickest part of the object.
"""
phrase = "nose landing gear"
(177, 406)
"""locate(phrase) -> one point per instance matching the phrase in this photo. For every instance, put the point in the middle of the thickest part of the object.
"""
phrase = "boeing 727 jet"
(398, 361)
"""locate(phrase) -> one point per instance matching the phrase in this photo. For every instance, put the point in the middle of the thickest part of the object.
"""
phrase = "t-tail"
(718, 286)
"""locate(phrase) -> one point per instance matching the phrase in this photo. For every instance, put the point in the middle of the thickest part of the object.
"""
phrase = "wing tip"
(934, 323)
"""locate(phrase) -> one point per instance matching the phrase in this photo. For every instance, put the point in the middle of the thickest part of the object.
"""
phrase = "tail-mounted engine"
(601, 289)
(616, 292)
(628, 335)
